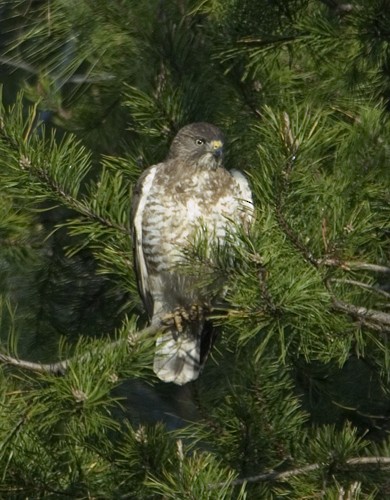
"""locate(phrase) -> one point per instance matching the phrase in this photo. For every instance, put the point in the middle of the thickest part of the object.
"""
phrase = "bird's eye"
(200, 141)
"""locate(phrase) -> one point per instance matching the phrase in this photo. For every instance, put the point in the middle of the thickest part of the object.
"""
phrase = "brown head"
(198, 144)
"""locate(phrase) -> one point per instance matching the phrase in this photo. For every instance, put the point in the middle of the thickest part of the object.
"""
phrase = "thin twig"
(264, 290)
(60, 367)
(15, 430)
(76, 78)
(360, 284)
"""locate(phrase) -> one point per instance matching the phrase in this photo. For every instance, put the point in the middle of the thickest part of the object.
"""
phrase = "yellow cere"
(216, 144)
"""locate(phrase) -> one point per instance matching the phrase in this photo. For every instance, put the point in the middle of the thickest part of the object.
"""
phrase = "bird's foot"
(176, 319)
(181, 315)
(196, 312)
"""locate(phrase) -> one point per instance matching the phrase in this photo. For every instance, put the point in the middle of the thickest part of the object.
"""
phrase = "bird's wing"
(244, 185)
(140, 198)
(246, 194)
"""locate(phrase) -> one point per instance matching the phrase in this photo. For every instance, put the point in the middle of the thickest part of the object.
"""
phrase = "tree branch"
(291, 144)
(59, 192)
(76, 78)
(360, 284)
(284, 475)
(293, 237)
(60, 367)
(376, 319)
(354, 265)
(74, 203)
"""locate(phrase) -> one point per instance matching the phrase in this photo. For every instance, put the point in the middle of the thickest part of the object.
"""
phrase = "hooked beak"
(216, 148)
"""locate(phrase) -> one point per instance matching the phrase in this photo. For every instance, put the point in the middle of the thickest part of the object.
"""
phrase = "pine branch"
(372, 318)
(292, 236)
(71, 202)
(376, 320)
(19, 424)
(360, 284)
(349, 265)
(77, 79)
(265, 293)
(43, 172)
(291, 143)
(283, 476)
(60, 367)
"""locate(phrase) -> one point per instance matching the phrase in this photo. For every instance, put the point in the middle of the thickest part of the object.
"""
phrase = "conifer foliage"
(294, 401)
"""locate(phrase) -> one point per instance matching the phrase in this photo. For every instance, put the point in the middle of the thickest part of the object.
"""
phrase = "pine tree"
(294, 401)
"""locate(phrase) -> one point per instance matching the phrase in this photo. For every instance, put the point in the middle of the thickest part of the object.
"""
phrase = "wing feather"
(139, 201)
(246, 195)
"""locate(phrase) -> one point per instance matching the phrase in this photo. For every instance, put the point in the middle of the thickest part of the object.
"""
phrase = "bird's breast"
(175, 212)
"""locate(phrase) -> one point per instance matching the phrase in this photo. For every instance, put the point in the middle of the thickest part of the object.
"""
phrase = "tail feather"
(177, 357)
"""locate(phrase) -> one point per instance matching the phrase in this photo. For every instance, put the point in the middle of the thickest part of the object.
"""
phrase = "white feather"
(138, 218)
(177, 357)
(245, 189)
(193, 210)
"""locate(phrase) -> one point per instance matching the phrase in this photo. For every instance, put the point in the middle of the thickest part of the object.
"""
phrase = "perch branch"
(60, 367)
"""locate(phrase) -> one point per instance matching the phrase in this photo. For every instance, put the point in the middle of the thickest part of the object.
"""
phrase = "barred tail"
(178, 355)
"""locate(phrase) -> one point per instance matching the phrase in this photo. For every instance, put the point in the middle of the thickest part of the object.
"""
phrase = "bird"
(190, 189)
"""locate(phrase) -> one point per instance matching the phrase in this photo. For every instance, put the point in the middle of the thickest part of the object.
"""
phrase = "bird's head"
(198, 144)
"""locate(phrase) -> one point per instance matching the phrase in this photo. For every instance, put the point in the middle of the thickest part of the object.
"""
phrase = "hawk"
(171, 201)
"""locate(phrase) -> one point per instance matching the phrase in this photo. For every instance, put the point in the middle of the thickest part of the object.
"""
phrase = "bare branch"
(381, 462)
(371, 316)
(369, 461)
(278, 476)
(361, 285)
(60, 367)
(76, 78)
(354, 265)
(53, 368)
